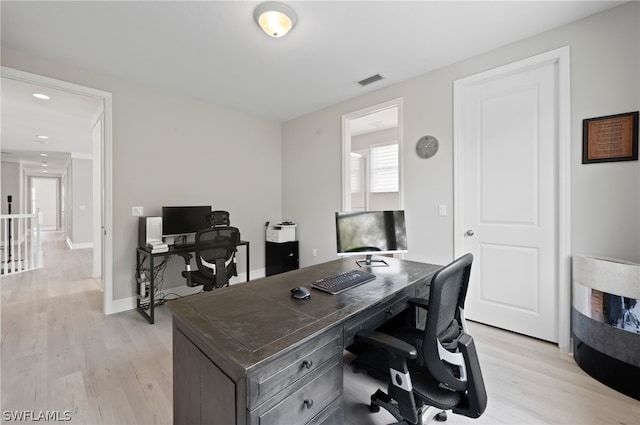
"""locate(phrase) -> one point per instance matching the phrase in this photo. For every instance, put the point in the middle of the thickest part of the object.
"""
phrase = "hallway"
(59, 353)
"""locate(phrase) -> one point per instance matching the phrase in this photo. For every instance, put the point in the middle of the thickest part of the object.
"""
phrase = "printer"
(282, 231)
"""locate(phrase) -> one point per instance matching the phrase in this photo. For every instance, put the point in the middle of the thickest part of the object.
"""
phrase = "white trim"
(82, 156)
(560, 56)
(106, 163)
(123, 304)
(346, 149)
(83, 245)
(564, 199)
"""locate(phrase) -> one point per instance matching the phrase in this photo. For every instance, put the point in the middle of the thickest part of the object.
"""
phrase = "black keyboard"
(342, 281)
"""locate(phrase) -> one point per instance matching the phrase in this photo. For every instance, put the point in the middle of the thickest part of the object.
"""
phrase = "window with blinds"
(384, 168)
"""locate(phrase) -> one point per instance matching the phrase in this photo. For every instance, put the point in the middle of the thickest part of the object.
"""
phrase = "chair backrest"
(216, 246)
(449, 353)
(218, 218)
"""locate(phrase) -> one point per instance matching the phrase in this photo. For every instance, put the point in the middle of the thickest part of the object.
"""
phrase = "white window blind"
(384, 168)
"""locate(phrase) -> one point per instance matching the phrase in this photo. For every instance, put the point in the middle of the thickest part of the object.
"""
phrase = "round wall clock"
(427, 146)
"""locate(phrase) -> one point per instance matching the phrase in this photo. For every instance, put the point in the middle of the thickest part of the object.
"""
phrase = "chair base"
(425, 415)
(441, 417)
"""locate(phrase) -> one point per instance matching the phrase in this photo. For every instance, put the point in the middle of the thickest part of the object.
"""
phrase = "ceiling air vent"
(370, 80)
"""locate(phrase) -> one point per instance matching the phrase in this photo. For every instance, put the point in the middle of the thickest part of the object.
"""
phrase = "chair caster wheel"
(374, 408)
(441, 417)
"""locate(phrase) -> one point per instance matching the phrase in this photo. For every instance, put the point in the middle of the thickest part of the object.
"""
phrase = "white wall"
(170, 150)
(10, 185)
(605, 198)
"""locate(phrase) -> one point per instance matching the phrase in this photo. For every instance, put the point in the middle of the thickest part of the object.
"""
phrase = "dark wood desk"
(250, 354)
(184, 251)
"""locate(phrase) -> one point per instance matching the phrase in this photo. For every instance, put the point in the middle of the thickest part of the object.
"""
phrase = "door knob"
(470, 232)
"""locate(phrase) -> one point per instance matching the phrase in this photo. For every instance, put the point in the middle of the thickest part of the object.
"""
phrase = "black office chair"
(435, 366)
(215, 256)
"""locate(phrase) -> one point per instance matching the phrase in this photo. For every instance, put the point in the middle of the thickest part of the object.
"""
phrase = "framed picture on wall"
(610, 138)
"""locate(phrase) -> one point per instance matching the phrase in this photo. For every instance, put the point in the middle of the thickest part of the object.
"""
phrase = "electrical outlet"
(442, 210)
(315, 252)
(137, 211)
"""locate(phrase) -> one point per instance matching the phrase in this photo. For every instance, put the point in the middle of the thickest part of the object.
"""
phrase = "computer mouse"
(300, 293)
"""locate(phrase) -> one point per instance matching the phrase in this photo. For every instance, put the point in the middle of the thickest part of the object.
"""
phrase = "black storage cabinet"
(281, 257)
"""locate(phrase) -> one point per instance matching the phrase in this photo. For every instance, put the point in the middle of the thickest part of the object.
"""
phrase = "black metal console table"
(184, 251)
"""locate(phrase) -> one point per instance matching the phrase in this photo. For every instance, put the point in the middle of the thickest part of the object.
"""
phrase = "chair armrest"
(387, 343)
(477, 393)
(419, 302)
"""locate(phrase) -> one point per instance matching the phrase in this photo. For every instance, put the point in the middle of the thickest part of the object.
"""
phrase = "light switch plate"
(442, 210)
(137, 211)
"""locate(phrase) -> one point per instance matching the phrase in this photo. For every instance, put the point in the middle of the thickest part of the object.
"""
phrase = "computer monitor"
(179, 221)
(370, 233)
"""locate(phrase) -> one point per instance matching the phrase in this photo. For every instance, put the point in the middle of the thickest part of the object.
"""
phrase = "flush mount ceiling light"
(41, 96)
(276, 19)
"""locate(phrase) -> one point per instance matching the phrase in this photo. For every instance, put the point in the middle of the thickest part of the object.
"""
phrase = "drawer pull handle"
(308, 403)
(307, 364)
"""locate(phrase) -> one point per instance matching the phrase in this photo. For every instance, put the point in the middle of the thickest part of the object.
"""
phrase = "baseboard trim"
(123, 304)
(83, 245)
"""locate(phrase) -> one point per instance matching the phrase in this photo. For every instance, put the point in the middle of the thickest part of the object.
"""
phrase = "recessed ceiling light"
(41, 96)
(44, 164)
(44, 171)
(44, 154)
(42, 137)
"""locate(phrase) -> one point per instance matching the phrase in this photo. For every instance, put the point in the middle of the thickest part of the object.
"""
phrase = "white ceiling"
(65, 120)
(214, 51)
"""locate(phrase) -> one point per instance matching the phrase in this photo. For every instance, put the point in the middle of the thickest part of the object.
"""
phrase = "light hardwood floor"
(59, 353)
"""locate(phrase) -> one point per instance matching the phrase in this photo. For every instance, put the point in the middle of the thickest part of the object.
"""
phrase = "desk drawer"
(372, 320)
(333, 414)
(306, 402)
(295, 365)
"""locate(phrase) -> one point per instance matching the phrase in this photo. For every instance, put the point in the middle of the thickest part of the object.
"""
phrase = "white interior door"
(508, 192)
(45, 195)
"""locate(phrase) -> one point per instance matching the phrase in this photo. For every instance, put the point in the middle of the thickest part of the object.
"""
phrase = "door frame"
(561, 57)
(106, 243)
(346, 149)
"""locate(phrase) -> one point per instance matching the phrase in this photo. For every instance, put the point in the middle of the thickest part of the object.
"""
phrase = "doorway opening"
(372, 158)
(102, 154)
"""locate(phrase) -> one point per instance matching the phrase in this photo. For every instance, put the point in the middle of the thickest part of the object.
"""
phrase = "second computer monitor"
(178, 221)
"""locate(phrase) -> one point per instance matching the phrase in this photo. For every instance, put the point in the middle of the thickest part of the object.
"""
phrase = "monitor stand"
(369, 261)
